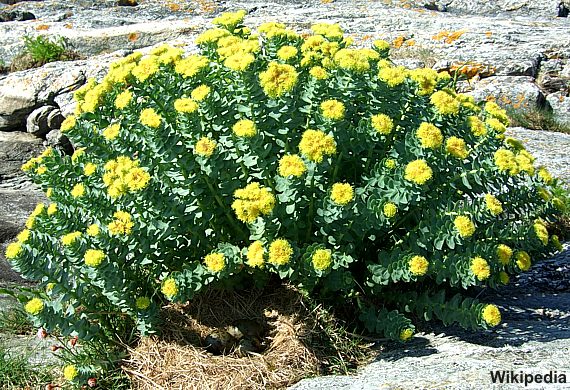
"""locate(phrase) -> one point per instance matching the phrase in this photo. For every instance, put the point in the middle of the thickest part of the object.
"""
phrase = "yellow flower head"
(456, 147)
(390, 210)
(464, 226)
(93, 257)
(215, 262)
(426, 79)
(145, 68)
(393, 76)
(52, 209)
(476, 126)
(89, 169)
(137, 179)
(191, 65)
(255, 254)
(429, 135)
(41, 170)
(244, 128)
(280, 252)
(78, 190)
(342, 193)
(291, 165)
(122, 224)
(382, 123)
(70, 372)
(491, 315)
(285, 53)
(150, 118)
(558, 204)
(406, 334)
(418, 265)
(278, 79)
(93, 230)
(496, 125)
(318, 73)
(333, 109)
(315, 145)
(205, 147)
(23, 236)
(68, 123)
(495, 111)
(505, 161)
(252, 201)
(329, 30)
(444, 103)
(418, 171)
(70, 238)
(545, 176)
(112, 131)
(239, 61)
(13, 250)
(541, 232)
(169, 288)
(200, 92)
(493, 204)
(504, 278)
(142, 303)
(381, 45)
(523, 260)
(390, 163)
(123, 99)
(480, 268)
(556, 242)
(211, 36)
(34, 306)
(230, 20)
(352, 60)
(321, 259)
(77, 154)
(504, 253)
(185, 105)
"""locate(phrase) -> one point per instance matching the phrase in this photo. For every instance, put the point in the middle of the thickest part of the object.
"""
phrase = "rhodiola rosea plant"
(270, 152)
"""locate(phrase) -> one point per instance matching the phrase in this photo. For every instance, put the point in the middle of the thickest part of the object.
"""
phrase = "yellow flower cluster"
(94, 257)
(504, 278)
(142, 303)
(239, 62)
(185, 105)
(406, 334)
(342, 193)
(150, 118)
(476, 126)
(145, 68)
(121, 224)
(52, 209)
(496, 125)
(445, 103)
(205, 147)
(523, 260)
(34, 306)
(504, 253)
(480, 268)
(321, 259)
(390, 210)
(429, 135)
(280, 252)
(112, 131)
(418, 171)
(493, 204)
(191, 65)
(200, 92)
(456, 147)
(390, 163)
(70, 372)
(13, 250)
(292, 165)
(123, 175)
(215, 262)
(491, 315)
(244, 128)
(68, 123)
(545, 176)
(315, 144)
(393, 76)
(252, 201)
(382, 123)
(426, 79)
(276, 30)
(541, 232)
(278, 79)
(123, 99)
(169, 288)
(30, 222)
(328, 30)
(355, 60)
(505, 161)
(211, 36)
(285, 53)
(256, 254)
(493, 110)
(230, 20)
(418, 265)
(318, 73)
(333, 109)
(89, 169)
(23, 236)
(70, 238)
(78, 190)
(93, 230)
(464, 226)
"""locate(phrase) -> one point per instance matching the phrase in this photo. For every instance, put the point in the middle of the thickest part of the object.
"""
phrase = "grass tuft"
(537, 119)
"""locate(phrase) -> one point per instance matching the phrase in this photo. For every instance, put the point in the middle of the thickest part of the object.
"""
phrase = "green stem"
(337, 166)
(311, 206)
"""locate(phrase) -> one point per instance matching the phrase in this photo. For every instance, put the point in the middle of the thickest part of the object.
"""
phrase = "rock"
(518, 92)
(54, 119)
(18, 16)
(15, 149)
(56, 139)
(11, 2)
(127, 3)
(37, 121)
(219, 342)
(560, 104)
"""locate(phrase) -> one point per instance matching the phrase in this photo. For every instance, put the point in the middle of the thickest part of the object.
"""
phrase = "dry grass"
(177, 361)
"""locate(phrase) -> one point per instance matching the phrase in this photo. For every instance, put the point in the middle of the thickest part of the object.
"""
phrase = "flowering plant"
(279, 153)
